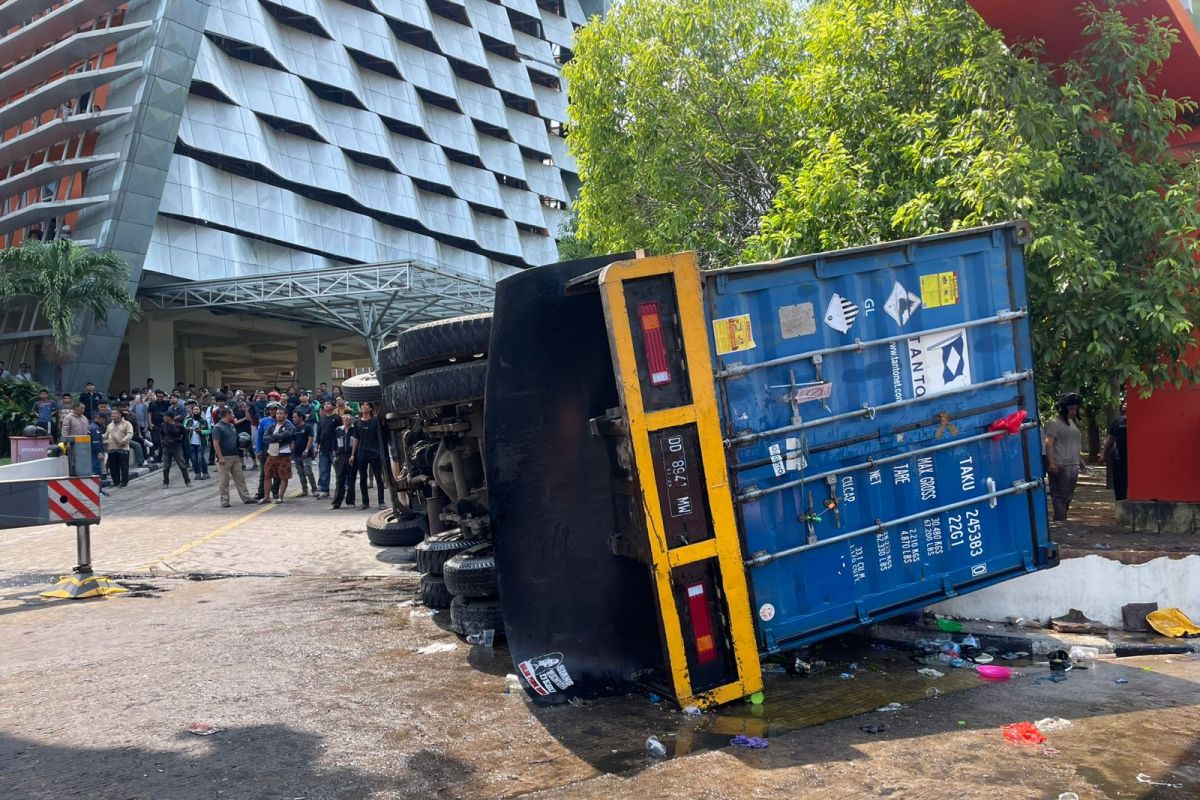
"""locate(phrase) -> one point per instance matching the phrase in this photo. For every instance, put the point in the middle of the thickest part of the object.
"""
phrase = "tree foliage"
(65, 281)
(679, 121)
(881, 119)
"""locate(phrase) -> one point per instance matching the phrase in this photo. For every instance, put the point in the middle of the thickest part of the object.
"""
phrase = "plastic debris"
(654, 698)
(1053, 677)
(1144, 778)
(970, 641)
(892, 707)
(511, 683)
(1050, 751)
(1052, 724)
(1079, 653)
(1013, 655)
(846, 676)
(655, 748)
(994, 673)
(1010, 424)
(872, 728)
(1120, 680)
(853, 667)
(752, 742)
(933, 691)
(692, 711)
(930, 672)
(1023, 733)
(1068, 796)
(1025, 622)
(949, 625)
(202, 729)
(1172, 622)
(437, 647)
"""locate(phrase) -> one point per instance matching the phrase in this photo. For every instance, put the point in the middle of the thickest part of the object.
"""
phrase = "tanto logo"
(939, 362)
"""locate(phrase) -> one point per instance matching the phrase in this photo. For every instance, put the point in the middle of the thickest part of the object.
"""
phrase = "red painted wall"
(1164, 444)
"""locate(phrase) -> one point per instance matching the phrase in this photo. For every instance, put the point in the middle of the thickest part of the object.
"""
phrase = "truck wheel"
(395, 398)
(434, 593)
(435, 343)
(435, 551)
(472, 573)
(442, 386)
(468, 617)
(363, 388)
(387, 529)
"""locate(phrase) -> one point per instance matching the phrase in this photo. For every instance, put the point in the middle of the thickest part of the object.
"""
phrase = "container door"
(658, 336)
(878, 412)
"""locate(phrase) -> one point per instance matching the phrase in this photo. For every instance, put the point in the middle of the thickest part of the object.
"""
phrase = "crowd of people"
(279, 434)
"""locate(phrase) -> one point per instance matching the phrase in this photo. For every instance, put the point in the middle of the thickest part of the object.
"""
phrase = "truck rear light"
(654, 344)
(701, 620)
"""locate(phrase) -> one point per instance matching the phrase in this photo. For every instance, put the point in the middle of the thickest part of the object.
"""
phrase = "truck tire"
(468, 617)
(435, 343)
(363, 388)
(395, 398)
(442, 386)
(434, 552)
(387, 529)
(434, 593)
(472, 573)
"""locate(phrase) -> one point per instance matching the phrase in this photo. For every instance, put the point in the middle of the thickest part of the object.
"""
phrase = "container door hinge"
(864, 616)
(948, 587)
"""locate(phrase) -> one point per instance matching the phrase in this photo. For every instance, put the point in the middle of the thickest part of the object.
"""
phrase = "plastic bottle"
(655, 748)
(1079, 653)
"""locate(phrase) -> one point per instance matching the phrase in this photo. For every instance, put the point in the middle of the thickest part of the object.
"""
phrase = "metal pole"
(83, 547)
(857, 346)
(759, 559)
(870, 411)
(870, 463)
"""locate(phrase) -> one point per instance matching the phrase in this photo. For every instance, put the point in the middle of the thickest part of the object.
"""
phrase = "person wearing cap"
(1064, 461)
(91, 400)
(260, 449)
(278, 438)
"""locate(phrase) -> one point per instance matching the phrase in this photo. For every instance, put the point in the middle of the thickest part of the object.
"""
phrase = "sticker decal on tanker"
(798, 320)
(939, 289)
(840, 313)
(901, 304)
(733, 334)
(766, 612)
(546, 674)
(939, 362)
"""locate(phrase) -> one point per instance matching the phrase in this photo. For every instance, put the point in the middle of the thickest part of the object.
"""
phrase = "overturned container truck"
(688, 470)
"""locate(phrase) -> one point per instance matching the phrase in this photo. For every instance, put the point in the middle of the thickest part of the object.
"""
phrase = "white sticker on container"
(939, 362)
(901, 304)
(795, 459)
(776, 459)
(766, 612)
(797, 320)
(840, 313)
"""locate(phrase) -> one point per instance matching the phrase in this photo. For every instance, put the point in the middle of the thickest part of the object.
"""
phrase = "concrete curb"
(1037, 641)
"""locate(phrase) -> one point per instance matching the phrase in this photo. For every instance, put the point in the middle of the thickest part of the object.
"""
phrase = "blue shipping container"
(687, 469)
(857, 389)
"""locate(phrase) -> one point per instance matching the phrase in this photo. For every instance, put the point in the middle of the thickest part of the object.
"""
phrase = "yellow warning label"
(939, 289)
(733, 334)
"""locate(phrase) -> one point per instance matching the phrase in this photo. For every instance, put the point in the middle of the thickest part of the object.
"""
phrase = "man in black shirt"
(157, 408)
(327, 427)
(170, 435)
(1115, 454)
(91, 400)
(344, 441)
(367, 455)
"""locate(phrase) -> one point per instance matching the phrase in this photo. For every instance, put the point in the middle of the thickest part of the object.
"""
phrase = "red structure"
(1164, 429)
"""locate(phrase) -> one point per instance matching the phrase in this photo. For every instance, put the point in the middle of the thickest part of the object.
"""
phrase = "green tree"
(860, 121)
(65, 281)
(679, 121)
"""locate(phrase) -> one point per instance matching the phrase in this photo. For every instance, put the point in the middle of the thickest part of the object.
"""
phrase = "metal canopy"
(372, 300)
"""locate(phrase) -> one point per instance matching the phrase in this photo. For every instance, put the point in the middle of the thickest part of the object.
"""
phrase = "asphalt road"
(309, 667)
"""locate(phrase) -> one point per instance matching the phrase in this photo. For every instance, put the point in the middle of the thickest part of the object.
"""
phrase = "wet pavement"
(309, 667)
